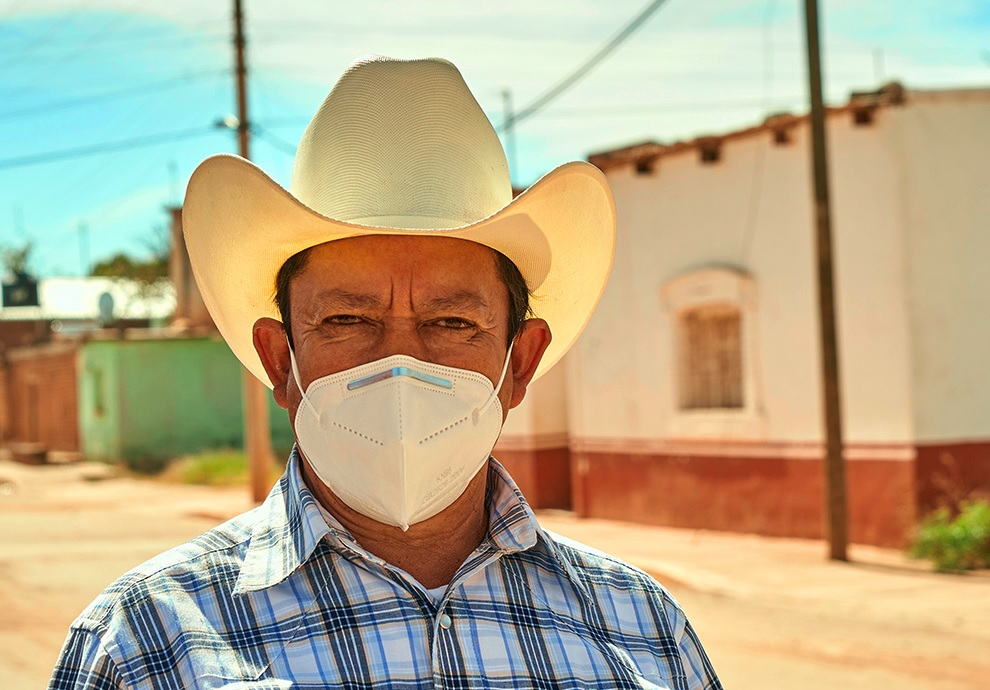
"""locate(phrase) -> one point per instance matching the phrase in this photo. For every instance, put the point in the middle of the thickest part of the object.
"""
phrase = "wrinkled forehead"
(383, 262)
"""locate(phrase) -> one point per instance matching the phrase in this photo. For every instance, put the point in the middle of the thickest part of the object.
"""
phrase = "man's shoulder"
(207, 563)
(597, 568)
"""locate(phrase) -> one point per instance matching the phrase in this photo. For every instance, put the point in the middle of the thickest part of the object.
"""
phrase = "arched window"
(710, 367)
(713, 355)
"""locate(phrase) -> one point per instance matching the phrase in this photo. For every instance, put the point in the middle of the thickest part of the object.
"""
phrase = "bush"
(960, 542)
(210, 468)
(223, 467)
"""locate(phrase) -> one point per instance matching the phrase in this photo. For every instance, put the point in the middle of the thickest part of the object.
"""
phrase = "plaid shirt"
(278, 598)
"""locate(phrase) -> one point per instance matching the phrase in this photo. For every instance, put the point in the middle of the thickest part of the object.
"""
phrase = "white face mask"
(398, 440)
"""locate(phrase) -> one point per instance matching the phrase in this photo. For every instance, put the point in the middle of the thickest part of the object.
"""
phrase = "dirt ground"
(771, 613)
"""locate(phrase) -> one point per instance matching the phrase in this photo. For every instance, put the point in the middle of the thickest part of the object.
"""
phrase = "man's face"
(365, 298)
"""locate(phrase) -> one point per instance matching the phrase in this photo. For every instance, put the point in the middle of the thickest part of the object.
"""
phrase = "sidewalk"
(775, 613)
(875, 581)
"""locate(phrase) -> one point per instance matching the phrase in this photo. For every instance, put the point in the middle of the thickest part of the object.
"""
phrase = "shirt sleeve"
(85, 664)
(700, 672)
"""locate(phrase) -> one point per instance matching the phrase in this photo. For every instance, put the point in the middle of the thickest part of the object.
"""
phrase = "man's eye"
(342, 319)
(454, 322)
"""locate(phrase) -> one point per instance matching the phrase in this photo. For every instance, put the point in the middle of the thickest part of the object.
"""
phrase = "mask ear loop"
(295, 376)
(477, 412)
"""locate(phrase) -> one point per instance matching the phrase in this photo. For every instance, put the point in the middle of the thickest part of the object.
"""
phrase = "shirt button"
(445, 621)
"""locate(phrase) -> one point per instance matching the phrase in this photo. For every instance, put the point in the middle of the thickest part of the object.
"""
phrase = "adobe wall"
(41, 396)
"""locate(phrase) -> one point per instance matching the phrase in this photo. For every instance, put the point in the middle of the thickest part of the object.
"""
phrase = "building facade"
(693, 398)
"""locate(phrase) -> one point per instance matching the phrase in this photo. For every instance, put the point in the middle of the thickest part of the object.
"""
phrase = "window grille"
(711, 358)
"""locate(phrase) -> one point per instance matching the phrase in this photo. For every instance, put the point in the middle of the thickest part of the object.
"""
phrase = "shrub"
(956, 542)
(210, 468)
(222, 467)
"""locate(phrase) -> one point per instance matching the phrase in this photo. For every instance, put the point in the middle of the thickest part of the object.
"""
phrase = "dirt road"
(770, 612)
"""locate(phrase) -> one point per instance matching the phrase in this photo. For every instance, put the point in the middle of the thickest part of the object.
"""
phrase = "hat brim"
(240, 226)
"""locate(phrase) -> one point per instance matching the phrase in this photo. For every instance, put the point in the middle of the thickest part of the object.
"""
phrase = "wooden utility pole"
(836, 515)
(257, 433)
(510, 130)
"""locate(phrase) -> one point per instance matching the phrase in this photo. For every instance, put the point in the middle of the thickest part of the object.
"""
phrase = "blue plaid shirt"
(278, 598)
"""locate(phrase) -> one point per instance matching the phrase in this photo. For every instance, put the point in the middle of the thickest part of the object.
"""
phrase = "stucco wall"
(150, 400)
(945, 155)
(40, 392)
(541, 418)
(751, 211)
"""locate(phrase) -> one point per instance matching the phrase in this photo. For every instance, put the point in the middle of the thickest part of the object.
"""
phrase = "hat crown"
(401, 144)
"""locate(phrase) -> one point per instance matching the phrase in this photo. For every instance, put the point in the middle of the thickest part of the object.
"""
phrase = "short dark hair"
(508, 273)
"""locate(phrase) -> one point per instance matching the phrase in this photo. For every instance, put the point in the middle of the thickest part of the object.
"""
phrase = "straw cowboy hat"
(397, 148)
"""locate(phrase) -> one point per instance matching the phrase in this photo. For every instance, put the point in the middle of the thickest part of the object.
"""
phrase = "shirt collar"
(513, 525)
(288, 529)
(290, 526)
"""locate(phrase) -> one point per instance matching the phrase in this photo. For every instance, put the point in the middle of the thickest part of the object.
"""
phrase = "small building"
(85, 374)
(693, 398)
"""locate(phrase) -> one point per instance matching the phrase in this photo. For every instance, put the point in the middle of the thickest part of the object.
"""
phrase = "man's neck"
(431, 551)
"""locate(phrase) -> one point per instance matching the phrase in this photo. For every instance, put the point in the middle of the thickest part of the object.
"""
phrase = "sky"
(107, 106)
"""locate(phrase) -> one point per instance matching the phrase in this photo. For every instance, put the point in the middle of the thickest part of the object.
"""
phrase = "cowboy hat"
(398, 148)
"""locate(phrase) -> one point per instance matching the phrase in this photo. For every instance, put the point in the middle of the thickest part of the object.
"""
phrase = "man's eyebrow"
(464, 299)
(344, 299)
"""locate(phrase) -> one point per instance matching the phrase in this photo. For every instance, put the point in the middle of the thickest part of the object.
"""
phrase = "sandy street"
(771, 613)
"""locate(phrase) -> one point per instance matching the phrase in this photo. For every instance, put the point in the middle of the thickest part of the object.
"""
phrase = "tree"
(15, 259)
(150, 276)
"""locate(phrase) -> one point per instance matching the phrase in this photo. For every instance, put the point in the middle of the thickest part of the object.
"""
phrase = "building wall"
(534, 444)
(41, 396)
(767, 490)
(149, 400)
(944, 153)
(751, 211)
(909, 280)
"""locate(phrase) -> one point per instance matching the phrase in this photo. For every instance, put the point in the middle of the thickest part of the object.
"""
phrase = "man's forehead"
(468, 299)
(453, 270)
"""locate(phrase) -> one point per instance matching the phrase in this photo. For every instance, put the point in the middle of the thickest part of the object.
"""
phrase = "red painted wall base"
(772, 496)
(951, 472)
(544, 476)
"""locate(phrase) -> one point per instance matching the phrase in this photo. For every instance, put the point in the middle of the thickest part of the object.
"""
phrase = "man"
(393, 552)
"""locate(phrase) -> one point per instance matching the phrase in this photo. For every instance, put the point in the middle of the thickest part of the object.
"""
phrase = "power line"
(92, 38)
(116, 94)
(106, 147)
(585, 67)
(123, 45)
(275, 141)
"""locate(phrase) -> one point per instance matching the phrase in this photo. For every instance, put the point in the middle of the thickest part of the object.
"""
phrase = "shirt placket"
(444, 645)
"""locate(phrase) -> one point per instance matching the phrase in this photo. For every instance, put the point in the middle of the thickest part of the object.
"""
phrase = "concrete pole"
(836, 521)
(257, 431)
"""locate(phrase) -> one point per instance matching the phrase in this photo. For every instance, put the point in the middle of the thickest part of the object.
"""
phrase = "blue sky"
(84, 76)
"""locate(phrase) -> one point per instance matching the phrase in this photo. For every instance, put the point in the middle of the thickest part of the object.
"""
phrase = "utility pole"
(257, 434)
(836, 522)
(509, 118)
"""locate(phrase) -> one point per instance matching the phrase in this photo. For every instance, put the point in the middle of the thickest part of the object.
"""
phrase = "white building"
(693, 398)
(73, 300)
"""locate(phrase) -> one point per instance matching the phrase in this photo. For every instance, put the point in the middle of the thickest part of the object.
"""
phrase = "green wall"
(145, 401)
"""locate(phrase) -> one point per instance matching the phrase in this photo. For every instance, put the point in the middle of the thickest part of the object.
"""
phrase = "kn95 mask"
(398, 439)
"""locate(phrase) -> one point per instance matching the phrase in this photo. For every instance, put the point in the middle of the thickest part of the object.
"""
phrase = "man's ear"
(527, 350)
(273, 349)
